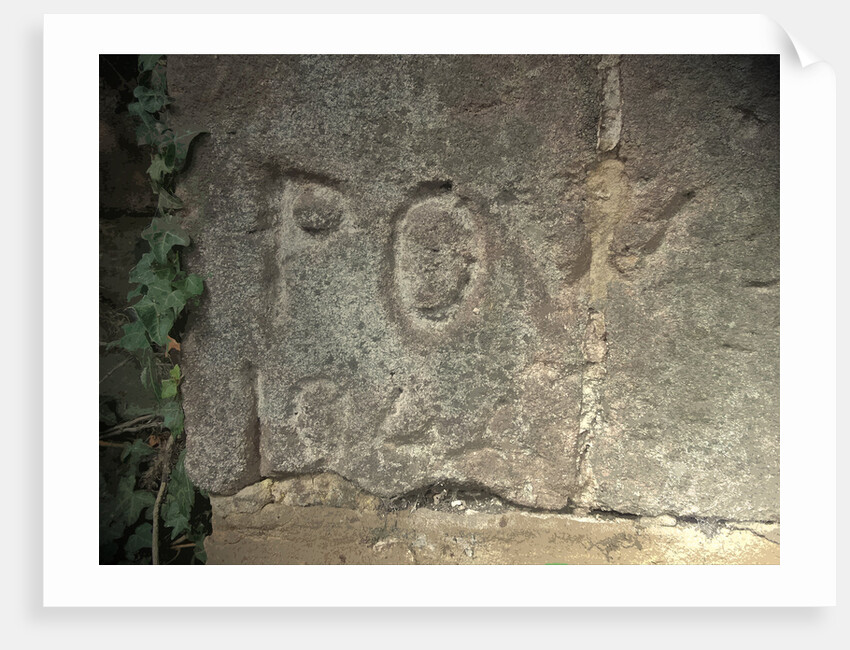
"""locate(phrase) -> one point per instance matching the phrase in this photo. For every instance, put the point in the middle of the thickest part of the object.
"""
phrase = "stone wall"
(553, 280)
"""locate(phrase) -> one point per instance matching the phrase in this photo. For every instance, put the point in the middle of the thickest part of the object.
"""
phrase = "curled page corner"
(795, 48)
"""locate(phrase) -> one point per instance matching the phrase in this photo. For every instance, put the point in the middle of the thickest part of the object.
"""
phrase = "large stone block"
(553, 278)
(691, 392)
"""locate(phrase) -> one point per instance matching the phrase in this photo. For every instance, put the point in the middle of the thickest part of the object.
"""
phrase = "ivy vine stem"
(157, 505)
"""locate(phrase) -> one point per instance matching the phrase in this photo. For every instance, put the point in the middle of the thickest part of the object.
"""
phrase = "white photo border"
(72, 576)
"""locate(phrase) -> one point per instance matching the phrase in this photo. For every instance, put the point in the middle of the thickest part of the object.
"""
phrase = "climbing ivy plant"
(162, 291)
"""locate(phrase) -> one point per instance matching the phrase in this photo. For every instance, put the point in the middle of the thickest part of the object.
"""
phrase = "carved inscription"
(317, 210)
(437, 260)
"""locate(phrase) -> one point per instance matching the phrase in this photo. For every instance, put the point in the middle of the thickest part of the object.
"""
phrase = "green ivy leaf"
(130, 502)
(150, 272)
(167, 225)
(136, 452)
(138, 110)
(169, 389)
(158, 293)
(133, 293)
(143, 272)
(157, 79)
(148, 315)
(175, 300)
(151, 100)
(179, 500)
(163, 234)
(134, 337)
(141, 538)
(158, 170)
(169, 386)
(137, 501)
(191, 286)
(149, 131)
(166, 322)
(149, 61)
(172, 417)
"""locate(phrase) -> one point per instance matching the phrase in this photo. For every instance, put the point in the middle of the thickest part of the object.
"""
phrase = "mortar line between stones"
(591, 415)
(610, 116)
(591, 418)
(262, 494)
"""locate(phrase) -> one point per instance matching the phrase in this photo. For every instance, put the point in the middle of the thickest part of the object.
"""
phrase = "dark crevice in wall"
(475, 496)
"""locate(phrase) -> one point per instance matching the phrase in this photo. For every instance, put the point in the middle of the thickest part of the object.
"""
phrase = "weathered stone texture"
(555, 278)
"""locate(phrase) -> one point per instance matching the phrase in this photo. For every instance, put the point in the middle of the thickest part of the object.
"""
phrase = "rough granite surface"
(553, 278)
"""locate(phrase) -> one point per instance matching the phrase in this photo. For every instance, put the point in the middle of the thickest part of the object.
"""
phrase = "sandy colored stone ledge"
(325, 520)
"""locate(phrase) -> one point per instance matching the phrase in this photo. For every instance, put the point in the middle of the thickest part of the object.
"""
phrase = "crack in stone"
(749, 527)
